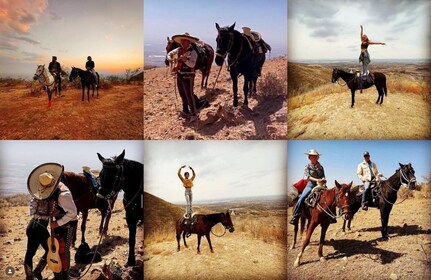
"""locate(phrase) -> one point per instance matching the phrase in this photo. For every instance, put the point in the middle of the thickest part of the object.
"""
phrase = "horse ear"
(350, 185)
(101, 158)
(400, 164)
(120, 157)
(337, 184)
(167, 38)
(232, 27)
(217, 26)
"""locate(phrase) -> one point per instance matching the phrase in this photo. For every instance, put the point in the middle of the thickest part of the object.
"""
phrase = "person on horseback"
(185, 71)
(315, 174)
(364, 57)
(187, 184)
(89, 65)
(367, 173)
(54, 68)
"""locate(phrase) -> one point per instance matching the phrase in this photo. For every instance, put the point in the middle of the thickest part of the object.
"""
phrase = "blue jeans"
(366, 192)
(301, 201)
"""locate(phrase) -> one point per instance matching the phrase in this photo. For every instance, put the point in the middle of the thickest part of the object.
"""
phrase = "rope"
(219, 235)
(218, 74)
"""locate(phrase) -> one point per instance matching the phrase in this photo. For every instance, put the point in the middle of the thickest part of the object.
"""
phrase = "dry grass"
(273, 83)
(14, 200)
(271, 229)
(408, 85)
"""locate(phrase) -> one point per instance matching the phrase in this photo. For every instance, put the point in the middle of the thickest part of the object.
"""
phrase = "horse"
(118, 174)
(241, 60)
(203, 227)
(323, 213)
(387, 195)
(85, 199)
(204, 64)
(353, 84)
(47, 80)
(87, 80)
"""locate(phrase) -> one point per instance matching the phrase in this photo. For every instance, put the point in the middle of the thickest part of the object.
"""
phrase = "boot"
(28, 272)
(39, 268)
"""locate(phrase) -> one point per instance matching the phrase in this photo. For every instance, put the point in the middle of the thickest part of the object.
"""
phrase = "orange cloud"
(17, 16)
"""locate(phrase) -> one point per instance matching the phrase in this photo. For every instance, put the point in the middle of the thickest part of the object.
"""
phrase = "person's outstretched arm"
(179, 173)
(362, 32)
(193, 173)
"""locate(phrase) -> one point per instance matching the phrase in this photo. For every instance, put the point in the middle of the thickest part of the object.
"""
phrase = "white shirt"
(191, 56)
(364, 172)
(65, 200)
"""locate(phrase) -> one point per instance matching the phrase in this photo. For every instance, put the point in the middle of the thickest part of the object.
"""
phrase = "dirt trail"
(235, 256)
(361, 253)
(265, 118)
(116, 114)
(401, 116)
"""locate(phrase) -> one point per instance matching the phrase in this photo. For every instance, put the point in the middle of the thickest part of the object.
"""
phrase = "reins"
(219, 235)
(408, 182)
(329, 212)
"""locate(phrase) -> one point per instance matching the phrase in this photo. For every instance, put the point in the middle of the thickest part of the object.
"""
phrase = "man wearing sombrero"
(186, 59)
(58, 207)
(315, 174)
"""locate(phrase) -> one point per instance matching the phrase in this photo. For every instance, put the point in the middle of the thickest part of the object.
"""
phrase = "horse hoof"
(296, 263)
(212, 251)
(178, 249)
(292, 247)
(322, 259)
(199, 252)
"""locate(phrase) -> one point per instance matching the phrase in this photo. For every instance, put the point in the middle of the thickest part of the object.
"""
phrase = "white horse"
(47, 80)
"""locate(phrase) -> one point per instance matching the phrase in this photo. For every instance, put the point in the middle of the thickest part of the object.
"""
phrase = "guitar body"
(53, 258)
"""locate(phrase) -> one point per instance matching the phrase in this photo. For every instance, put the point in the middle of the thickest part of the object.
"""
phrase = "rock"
(9, 242)
(345, 259)
(211, 115)
(393, 276)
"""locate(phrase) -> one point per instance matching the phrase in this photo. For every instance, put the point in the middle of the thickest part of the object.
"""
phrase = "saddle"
(190, 222)
(314, 196)
(92, 180)
(201, 52)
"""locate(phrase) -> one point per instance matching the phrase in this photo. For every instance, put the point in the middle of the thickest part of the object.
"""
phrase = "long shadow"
(405, 230)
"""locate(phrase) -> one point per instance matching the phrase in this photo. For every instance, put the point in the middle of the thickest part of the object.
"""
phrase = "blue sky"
(18, 158)
(224, 169)
(169, 17)
(320, 29)
(340, 158)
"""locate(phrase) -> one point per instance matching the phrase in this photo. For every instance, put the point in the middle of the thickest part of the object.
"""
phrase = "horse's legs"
(322, 240)
(344, 226)
(310, 230)
(178, 230)
(295, 234)
(83, 90)
(131, 223)
(349, 223)
(49, 96)
(184, 239)
(234, 77)
(88, 93)
(199, 243)
(209, 242)
(384, 216)
(83, 225)
(92, 86)
(203, 72)
(353, 97)
(246, 89)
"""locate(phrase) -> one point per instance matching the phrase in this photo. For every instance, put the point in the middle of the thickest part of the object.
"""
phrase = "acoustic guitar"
(53, 257)
(179, 62)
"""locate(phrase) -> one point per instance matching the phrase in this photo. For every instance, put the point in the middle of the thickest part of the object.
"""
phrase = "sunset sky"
(32, 31)
(320, 29)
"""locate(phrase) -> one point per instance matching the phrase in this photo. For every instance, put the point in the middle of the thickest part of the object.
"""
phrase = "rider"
(187, 57)
(316, 175)
(54, 68)
(364, 57)
(187, 184)
(89, 65)
(367, 173)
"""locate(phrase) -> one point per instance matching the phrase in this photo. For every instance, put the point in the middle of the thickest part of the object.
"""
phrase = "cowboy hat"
(44, 179)
(247, 31)
(185, 36)
(312, 152)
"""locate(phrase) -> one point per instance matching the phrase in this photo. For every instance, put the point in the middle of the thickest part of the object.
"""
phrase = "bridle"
(118, 182)
(408, 181)
(329, 212)
(39, 76)
(229, 48)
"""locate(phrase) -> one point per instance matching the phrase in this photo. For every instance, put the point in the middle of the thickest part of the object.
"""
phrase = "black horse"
(241, 59)
(118, 174)
(386, 195)
(87, 80)
(203, 226)
(354, 83)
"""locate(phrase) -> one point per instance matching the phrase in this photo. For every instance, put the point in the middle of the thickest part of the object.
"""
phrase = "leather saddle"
(314, 197)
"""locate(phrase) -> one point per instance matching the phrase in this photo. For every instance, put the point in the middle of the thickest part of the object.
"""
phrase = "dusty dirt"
(362, 254)
(113, 248)
(116, 114)
(324, 112)
(265, 118)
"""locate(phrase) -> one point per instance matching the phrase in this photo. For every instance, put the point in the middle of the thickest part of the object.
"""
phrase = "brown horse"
(325, 210)
(204, 67)
(85, 200)
(203, 227)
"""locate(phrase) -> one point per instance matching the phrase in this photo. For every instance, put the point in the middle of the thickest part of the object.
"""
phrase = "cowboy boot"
(39, 268)
(28, 272)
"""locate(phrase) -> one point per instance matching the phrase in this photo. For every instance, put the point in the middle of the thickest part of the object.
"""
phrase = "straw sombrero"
(185, 36)
(312, 152)
(44, 179)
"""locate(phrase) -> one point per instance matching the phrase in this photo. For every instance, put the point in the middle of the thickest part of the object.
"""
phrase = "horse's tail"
(384, 87)
(98, 78)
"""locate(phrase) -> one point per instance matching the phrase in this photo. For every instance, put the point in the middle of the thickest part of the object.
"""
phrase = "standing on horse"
(187, 184)
(316, 175)
(259, 46)
(44, 183)
(367, 173)
(89, 65)
(186, 57)
(364, 57)
(54, 68)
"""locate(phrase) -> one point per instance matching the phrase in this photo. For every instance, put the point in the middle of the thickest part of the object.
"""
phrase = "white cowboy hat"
(312, 152)
(86, 169)
(185, 36)
(44, 179)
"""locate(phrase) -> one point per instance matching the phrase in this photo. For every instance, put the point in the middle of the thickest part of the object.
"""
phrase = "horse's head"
(39, 71)
(407, 175)
(73, 74)
(224, 42)
(343, 198)
(111, 176)
(171, 45)
(226, 221)
(335, 75)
